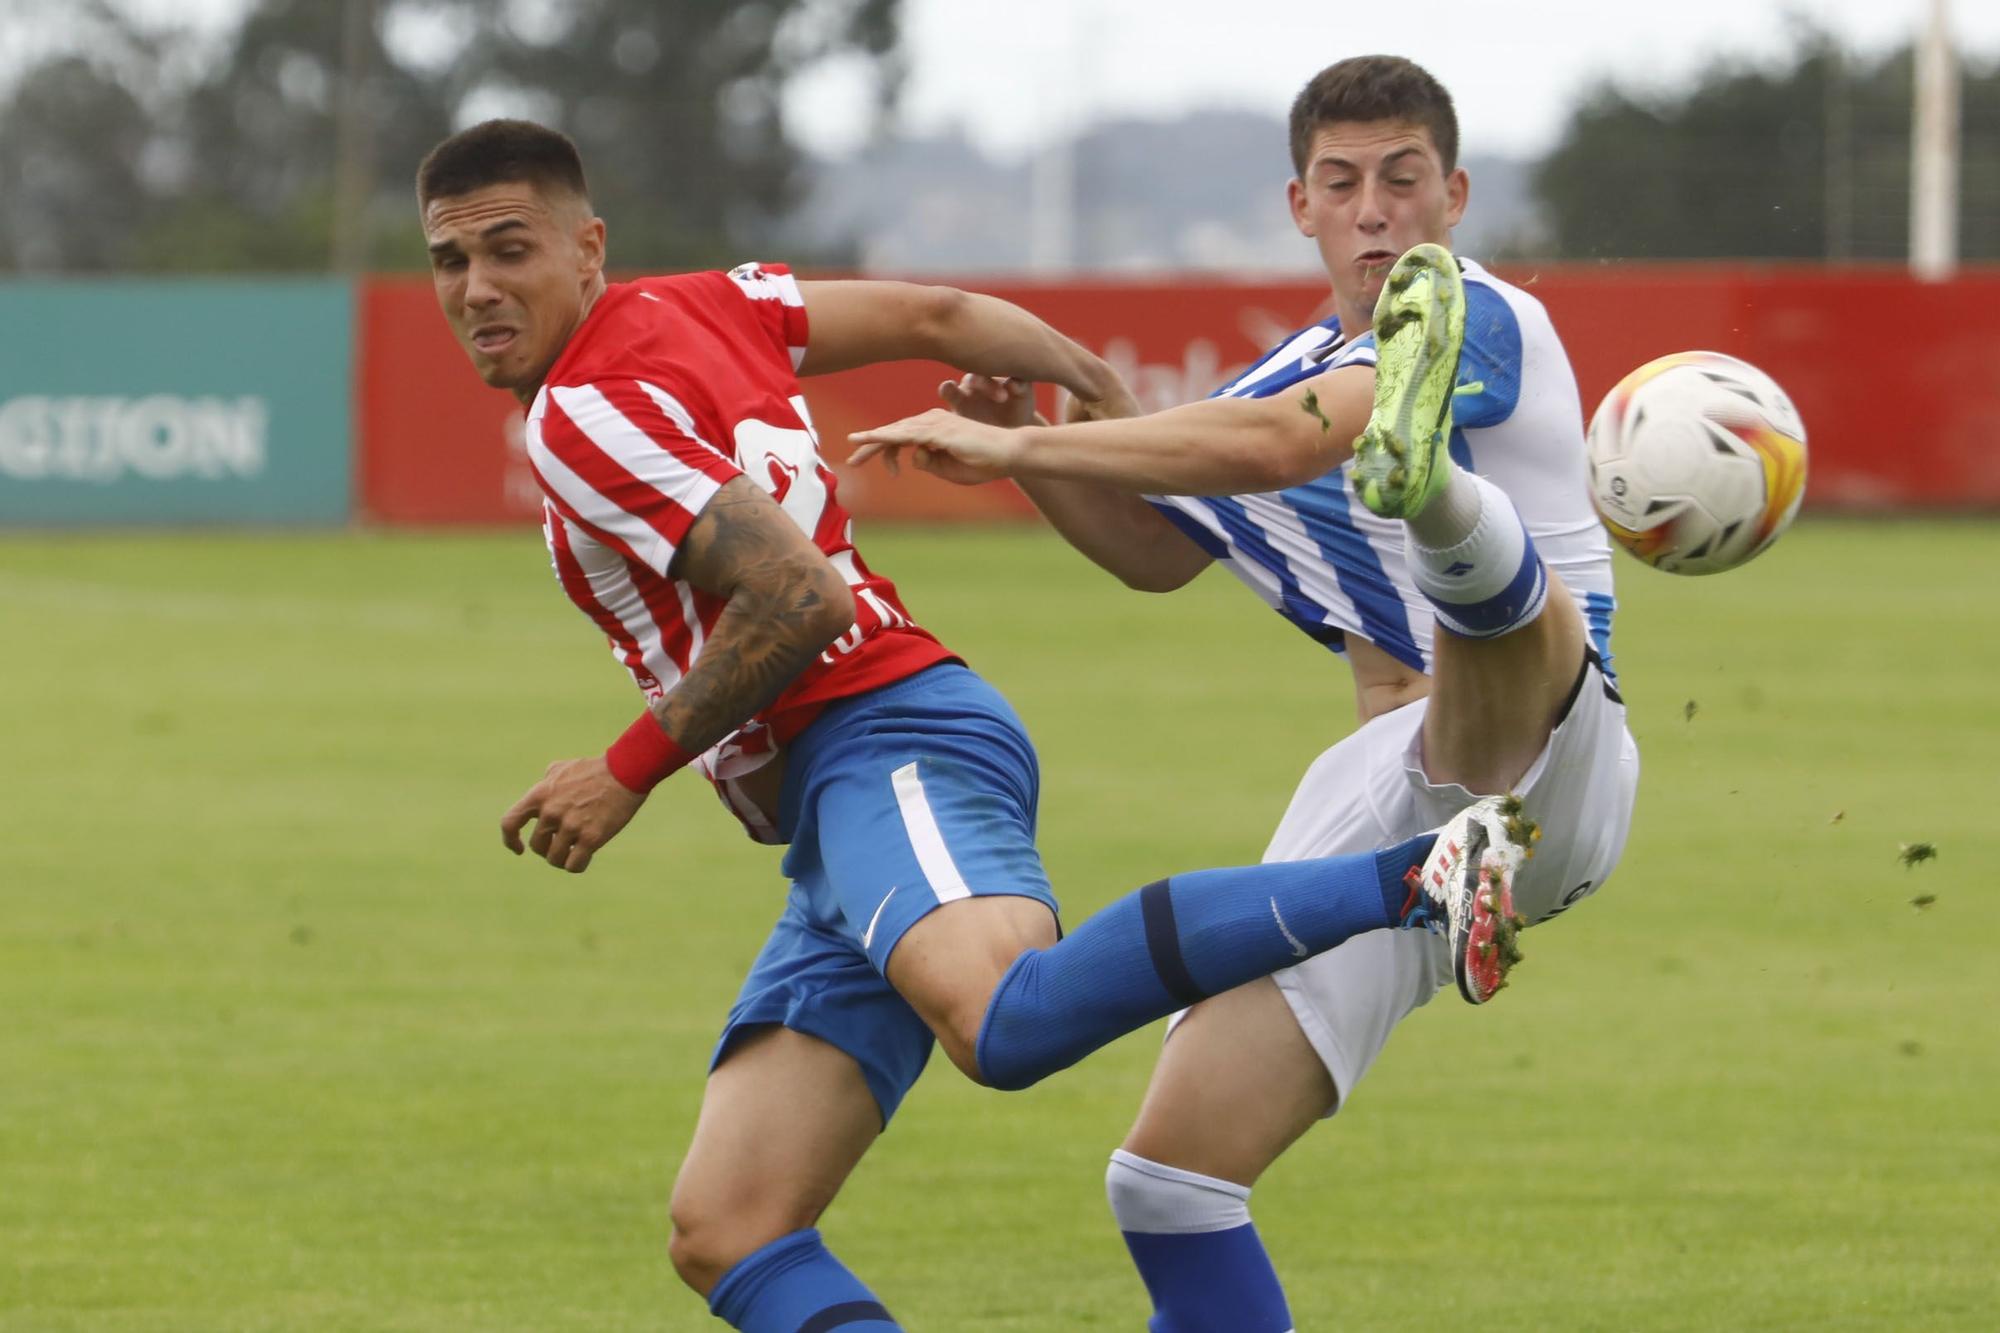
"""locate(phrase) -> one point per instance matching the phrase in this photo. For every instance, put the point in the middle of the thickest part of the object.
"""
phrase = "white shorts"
(1370, 791)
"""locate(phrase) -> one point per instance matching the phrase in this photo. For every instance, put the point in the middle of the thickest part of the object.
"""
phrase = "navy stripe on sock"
(851, 1312)
(1163, 941)
(1495, 615)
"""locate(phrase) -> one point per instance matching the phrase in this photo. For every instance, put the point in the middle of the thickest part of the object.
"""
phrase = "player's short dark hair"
(501, 152)
(1372, 88)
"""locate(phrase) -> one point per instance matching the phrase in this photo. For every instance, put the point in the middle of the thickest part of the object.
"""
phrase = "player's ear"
(1457, 192)
(590, 245)
(1295, 197)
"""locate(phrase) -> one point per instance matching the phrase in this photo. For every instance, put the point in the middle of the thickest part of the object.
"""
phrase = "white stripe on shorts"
(933, 857)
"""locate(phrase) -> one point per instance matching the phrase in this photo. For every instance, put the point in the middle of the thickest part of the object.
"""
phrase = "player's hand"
(577, 807)
(997, 402)
(943, 444)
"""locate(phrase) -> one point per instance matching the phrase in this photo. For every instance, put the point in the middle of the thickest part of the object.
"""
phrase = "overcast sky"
(1011, 73)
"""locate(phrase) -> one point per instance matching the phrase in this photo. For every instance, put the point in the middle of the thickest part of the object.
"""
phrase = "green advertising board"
(176, 402)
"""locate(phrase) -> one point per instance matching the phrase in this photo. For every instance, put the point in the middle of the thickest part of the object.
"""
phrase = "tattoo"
(1310, 406)
(785, 604)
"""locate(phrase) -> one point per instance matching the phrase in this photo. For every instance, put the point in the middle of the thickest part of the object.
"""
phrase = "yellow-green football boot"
(1401, 461)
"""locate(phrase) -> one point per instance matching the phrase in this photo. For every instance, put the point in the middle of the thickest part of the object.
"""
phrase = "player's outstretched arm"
(861, 322)
(784, 603)
(1220, 446)
(1118, 531)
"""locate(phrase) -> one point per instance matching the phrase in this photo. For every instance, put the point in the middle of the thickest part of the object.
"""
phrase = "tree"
(1806, 161)
(79, 180)
(82, 160)
(680, 126)
(129, 160)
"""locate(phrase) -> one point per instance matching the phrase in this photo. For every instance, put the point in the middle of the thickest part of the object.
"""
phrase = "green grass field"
(290, 1043)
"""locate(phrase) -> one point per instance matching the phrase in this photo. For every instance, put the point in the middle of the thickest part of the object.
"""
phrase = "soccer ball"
(1697, 462)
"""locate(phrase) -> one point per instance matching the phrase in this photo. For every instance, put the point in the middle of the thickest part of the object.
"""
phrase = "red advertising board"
(1898, 381)
(438, 446)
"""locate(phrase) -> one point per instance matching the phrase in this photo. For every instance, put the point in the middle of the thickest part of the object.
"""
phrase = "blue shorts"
(894, 802)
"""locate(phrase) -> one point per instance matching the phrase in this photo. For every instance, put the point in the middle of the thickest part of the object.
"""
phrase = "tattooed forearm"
(764, 638)
(785, 604)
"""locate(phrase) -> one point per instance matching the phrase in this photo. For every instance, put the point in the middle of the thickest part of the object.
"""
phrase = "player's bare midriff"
(1381, 683)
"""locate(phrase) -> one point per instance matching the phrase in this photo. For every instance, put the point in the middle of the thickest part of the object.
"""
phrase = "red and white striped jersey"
(669, 388)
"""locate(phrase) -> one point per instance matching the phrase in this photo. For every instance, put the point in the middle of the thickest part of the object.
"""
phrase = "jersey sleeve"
(775, 301)
(1360, 352)
(623, 460)
(1491, 359)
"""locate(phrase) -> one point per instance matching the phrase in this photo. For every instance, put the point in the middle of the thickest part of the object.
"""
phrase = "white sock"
(1453, 512)
(1153, 1197)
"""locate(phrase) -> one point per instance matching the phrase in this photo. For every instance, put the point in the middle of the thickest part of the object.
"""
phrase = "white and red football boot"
(1465, 891)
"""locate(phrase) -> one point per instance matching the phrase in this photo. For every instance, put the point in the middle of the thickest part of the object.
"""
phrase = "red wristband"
(644, 755)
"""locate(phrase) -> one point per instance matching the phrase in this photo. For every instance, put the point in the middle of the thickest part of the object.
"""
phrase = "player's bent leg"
(1510, 639)
(759, 1174)
(1503, 621)
(1009, 1004)
(915, 839)
(915, 827)
(914, 814)
(1494, 701)
(1178, 941)
(1579, 788)
(950, 962)
(1156, 950)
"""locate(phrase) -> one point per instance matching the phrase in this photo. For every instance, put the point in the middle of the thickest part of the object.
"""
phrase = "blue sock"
(1210, 1282)
(1190, 1237)
(795, 1285)
(1178, 941)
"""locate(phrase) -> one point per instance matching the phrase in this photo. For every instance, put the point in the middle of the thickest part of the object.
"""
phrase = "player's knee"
(950, 965)
(955, 1015)
(693, 1258)
(710, 1237)
(700, 1251)
(961, 1020)
(959, 1041)
(1151, 1196)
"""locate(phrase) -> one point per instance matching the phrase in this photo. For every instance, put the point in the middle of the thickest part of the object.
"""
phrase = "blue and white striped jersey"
(1332, 568)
